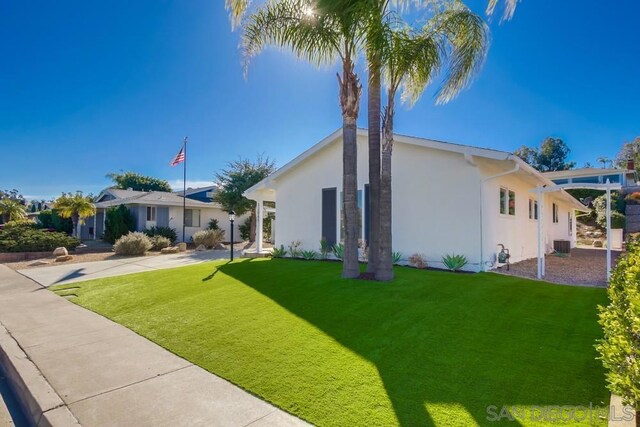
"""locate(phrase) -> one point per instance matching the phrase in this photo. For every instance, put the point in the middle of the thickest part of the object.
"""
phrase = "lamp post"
(232, 218)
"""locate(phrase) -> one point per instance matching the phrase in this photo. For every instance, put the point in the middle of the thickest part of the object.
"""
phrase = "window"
(611, 178)
(555, 213)
(533, 209)
(192, 217)
(570, 222)
(151, 213)
(561, 181)
(586, 180)
(507, 202)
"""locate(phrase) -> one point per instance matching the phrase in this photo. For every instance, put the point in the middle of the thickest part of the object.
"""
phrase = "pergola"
(540, 190)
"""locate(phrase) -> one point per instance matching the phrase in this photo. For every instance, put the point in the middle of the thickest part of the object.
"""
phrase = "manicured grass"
(428, 348)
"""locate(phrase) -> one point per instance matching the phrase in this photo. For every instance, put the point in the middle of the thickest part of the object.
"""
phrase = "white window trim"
(555, 213)
(534, 213)
(506, 206)
(199, 218)
(154, 213)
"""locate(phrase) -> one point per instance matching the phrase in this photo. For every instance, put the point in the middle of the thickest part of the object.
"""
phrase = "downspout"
(482, 182)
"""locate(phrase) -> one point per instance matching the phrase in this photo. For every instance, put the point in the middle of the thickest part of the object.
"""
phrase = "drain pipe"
(515, 169)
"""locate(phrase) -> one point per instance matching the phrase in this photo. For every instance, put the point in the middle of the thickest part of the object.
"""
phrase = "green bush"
(309, 255)
(158, 243)
(26, 238)
(454, 262)
(396, 257)
(167, 232)
(324, 248)
(618, 220)
(280, 252)
(245, 229)
(134, 243)
(19, 223)
(208, 238)
(52, 220)
(620, 348)
(600, 207)
(118, 222)
(338, 251)
(213, 224)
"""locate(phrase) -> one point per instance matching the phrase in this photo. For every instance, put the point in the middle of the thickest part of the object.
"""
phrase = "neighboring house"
(156, 208)
(626, 177)
(203, 194)
(447, 199)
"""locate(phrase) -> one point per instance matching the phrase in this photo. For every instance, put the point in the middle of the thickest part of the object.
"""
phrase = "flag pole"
(184, 190)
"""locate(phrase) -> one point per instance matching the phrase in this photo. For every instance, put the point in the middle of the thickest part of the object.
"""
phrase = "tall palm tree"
(12, 210)
(454, 40)
(75, 206)
(320, 38)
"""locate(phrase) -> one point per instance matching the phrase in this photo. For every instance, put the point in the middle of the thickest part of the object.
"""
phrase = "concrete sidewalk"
(105, 374)
(69, 273)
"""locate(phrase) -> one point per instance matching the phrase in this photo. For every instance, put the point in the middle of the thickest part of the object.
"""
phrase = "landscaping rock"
(220, 246)
(182, 247)
(201, 248)
(597, 244)
(63, 258)
(60, 251)
(170, 250)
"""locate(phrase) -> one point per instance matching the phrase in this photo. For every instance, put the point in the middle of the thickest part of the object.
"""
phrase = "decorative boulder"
(597, 244)
(219, 246)
(60, 251)
(63, 258)
(170, 250)
(201, 248)
(182, 247)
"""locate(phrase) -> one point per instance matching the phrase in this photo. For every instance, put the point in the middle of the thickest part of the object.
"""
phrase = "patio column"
(608, 230)
(104, 220)
(540, 233)
(95, 225)
(259, 220)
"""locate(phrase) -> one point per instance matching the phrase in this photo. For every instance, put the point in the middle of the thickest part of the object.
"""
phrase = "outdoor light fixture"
(232, 218)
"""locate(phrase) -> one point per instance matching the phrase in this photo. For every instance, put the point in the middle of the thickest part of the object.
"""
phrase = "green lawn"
(428, 348)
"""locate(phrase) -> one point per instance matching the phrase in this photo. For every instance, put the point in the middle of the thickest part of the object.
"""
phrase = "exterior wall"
(175, 221)
(434, 211)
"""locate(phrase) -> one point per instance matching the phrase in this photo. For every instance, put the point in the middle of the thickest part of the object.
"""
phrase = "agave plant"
(309, 255)
(338, 251)
(280, 252)
(396, 257)
(454, 262)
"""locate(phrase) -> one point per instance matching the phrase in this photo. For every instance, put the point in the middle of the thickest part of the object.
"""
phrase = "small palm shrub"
(324, 248)
(134, 243)
(338, 251)
(396, 257)
(158, 243)
(294, 249)
(213, 224)
(620, 320)
(208, 238)
(417, 260)
(280, 252)
(309, 255)
(167, 232)
(454, 262)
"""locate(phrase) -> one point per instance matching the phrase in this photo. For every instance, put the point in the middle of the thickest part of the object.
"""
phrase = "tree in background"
(118, 221)
(52, 220)
(239, 176)
(12, 210)
(138, 182)
(75, 206)
(551, 156)
(604, 160)
(629, 151)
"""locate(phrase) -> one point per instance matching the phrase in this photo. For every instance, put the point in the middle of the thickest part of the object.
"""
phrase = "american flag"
(179, 157)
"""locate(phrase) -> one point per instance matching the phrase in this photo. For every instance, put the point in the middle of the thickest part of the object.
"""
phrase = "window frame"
(555, 213)
(505, 195)
(152, 213)
(533, 209)
(191, 211)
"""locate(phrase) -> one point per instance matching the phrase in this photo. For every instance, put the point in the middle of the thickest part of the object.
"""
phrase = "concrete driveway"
(59, 274)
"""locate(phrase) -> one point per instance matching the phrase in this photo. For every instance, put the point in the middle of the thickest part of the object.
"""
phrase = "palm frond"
(509, 8)
(236, 9)
(295, 25)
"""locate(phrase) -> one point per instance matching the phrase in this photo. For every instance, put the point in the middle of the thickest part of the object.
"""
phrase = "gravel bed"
(585, 267)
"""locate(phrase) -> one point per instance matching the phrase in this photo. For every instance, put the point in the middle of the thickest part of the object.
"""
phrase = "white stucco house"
(158, 208)
(447, 199)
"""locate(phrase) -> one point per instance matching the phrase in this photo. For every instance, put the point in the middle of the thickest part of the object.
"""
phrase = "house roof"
(467, 150)
(586, 172)
(160, 198)
(191, 191)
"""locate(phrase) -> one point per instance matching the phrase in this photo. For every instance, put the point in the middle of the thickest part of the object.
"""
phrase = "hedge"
(26, 238)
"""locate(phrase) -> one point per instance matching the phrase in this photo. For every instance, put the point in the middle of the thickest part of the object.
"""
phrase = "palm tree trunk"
(373, 119)
(349, 102)
(75, 218)
(385, 265)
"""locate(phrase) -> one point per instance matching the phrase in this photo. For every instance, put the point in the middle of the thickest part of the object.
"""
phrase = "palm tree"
(604, 160)
(455, 40)
(12, 210)
(75, 206)
(320, 38)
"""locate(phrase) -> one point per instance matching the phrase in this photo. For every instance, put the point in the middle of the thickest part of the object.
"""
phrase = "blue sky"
(88, 88)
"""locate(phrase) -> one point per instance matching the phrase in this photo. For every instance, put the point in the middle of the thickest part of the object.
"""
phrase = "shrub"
(280, 252)
(417, 260)
(396, 257)
(600, 207)
(208, 238)
(618, 220)
(158, 243)
(134, 243)
(52, 220)
(338, 251)
(213, 224)
(309, 255)
(324, 248)
(633, 198)
(169, 233)
(294, 249)
(118, 222)
(245, 229)
(454, 262)
(19, 223)
(620, 321)
(26, 238)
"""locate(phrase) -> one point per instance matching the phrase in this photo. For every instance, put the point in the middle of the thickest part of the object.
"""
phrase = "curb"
(41, 404)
